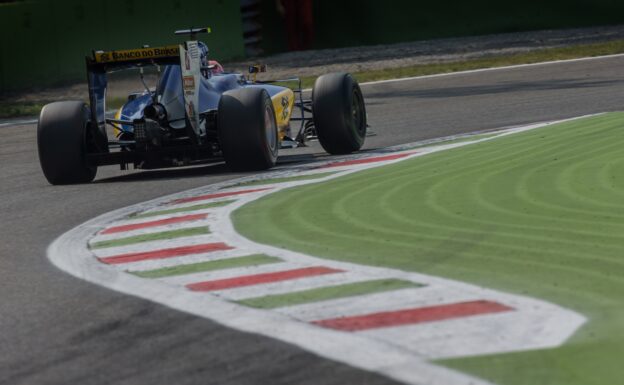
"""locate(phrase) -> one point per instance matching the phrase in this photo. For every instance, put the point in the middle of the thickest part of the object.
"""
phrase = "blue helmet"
(203, 53)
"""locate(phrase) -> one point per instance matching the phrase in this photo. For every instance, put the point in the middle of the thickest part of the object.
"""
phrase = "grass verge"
(220, 264)
(19, 109)
(328, 293)
(15, 109)
(261, 182)
(537, 56)
(198, 207)
(539, 213)
(169, 234)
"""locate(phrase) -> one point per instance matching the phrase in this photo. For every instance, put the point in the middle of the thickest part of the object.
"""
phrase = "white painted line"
(359, 352)
(489, 69)
(149, 230)
(298, 285)
(504, 68)
(135, 221)
(155, 245)
(186, 279)
(18, 122)
(430, 339)
(379, 302)
(175, 206)
(422, 77)
(371, 350)
(132, 220)
(184, 260)
(172, 204)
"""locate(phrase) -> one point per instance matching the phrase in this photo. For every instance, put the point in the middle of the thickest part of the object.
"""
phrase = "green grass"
(539, 213)
(181, 210)
(260, 182)
(17, 109)
(466, 138)
(537, 56)
(169, 234)
(220, 264)
(327, 293)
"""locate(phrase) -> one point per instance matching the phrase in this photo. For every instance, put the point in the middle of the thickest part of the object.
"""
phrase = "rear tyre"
(247, 129)
(62, 143)
(339, 113)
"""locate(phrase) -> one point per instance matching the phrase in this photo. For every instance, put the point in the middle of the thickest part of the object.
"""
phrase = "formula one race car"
(196, 112)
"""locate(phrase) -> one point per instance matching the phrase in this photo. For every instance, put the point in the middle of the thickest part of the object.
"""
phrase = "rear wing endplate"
(102, 62)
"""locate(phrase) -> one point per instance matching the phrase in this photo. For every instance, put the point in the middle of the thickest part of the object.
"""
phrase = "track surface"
(56, 329)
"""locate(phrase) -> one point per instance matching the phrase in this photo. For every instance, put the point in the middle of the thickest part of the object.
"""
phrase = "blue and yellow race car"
(196, 112)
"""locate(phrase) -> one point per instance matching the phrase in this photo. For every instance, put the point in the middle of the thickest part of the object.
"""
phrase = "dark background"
(367, 22)
(43, 42)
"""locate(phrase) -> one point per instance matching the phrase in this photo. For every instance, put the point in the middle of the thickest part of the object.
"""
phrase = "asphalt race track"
(55, 329)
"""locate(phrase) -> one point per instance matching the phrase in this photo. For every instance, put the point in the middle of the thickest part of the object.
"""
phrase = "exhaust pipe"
(155, 111)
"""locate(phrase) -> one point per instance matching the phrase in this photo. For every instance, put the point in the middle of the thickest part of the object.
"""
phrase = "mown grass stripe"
(526, 205)
(282, 179)
(182, 209)
(461, 139)
(216, 195)
(374, 159)
(328, 293)
(156, 223)
(221, 264)
(169, 234)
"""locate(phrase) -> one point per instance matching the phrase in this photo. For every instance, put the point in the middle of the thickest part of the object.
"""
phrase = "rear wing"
(135, 57)
(186, 55)
(102, 62)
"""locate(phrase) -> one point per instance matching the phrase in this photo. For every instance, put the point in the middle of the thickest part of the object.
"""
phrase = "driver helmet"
(203, 56)
(203, 53)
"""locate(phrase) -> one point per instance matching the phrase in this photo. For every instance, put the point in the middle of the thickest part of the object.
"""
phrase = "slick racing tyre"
(62, 143)
(247, 129)
(339, 113)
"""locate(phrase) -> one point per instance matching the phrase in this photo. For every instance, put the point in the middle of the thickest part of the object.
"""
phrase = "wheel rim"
(271, 132)
(357, 114)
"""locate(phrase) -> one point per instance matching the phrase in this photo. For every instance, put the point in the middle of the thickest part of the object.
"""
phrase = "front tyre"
(247, 129)
(62, 143)
(339, 113)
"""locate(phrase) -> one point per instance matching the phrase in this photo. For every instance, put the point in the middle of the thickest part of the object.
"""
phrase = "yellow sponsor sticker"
(137, 54)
